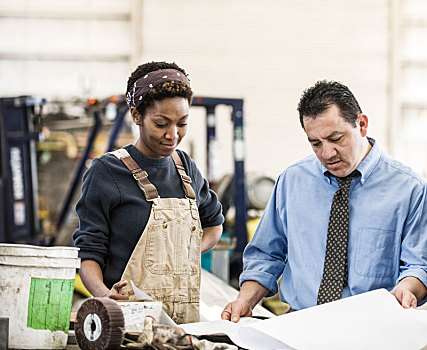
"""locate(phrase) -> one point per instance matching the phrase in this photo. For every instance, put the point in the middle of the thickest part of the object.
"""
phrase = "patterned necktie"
(335, 273)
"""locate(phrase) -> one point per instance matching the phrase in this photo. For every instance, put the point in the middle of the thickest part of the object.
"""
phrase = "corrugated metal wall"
(411, 90)
(62, 49)
(266, 52)
(269, 51)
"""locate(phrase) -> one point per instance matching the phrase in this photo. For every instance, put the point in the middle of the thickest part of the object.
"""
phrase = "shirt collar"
(368, 164)
(365, 167)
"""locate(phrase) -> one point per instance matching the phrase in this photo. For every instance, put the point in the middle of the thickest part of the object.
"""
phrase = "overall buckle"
(140, 174)
(186, 178)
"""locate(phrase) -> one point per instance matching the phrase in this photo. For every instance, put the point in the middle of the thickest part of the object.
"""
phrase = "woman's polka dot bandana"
(140, 88)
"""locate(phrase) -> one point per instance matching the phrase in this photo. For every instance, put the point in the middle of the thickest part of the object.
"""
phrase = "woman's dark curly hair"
(166, 90)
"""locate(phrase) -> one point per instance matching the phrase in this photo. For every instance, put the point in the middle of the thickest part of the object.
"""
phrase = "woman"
(146, 213)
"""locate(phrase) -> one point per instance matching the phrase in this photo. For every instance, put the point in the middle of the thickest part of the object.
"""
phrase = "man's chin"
(340, 173)
(337, 172)
(336, 169)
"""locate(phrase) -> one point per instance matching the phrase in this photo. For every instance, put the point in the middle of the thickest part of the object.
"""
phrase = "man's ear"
(362, 122)
(137, 119)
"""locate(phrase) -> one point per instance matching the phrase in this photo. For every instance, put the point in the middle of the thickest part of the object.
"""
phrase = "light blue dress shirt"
(387, 229)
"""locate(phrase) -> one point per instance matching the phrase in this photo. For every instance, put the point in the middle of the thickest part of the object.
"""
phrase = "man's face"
(338, 145)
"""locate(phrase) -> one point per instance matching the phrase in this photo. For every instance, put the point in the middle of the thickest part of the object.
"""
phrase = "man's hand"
(114, 292)
(250, 294)
(236, 309)
(404, 296)
(408, 291)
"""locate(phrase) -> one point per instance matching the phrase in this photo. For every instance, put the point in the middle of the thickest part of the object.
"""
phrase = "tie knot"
(344, 182)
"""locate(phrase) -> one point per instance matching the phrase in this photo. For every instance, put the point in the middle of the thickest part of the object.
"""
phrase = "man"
(344, 221)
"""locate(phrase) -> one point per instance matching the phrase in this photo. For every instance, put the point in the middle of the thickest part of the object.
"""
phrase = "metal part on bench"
(99, 324)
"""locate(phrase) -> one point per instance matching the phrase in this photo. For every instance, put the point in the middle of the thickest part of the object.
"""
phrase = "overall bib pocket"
(173, 248)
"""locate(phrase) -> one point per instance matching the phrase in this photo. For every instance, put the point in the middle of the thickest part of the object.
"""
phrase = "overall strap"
(140, 175)
(185, 179)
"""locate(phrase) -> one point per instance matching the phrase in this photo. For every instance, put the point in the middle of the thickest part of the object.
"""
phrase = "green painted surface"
(49, 304)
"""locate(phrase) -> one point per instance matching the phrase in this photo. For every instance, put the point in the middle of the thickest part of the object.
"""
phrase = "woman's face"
(163, 126)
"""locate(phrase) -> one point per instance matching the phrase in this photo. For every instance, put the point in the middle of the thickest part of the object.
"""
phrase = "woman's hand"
(91, 275)
(115, 291)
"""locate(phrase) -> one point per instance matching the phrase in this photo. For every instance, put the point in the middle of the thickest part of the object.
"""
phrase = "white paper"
(215, 294)
(134, 313)
(140, 295)
(373, 320)
(164, 317)
(252, 339)
(217, 327)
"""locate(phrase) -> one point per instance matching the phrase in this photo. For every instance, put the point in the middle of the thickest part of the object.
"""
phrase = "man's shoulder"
(309, 164)
(396, 168)
(310, 160)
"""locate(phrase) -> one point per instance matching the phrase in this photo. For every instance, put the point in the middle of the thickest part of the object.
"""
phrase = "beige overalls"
(165, 263)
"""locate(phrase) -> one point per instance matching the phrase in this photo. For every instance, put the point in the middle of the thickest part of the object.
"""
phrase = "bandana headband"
(140, 88)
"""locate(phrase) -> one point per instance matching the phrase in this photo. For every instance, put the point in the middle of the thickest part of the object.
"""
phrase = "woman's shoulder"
(105, 160)
(192, 169)
(107, 163)
(184, 155)
(188, 162)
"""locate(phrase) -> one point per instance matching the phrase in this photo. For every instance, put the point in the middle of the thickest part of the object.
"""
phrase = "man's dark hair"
(323, 95)
(166, 90)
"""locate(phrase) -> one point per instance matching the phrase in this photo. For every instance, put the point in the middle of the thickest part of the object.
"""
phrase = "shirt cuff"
(265, 279)
(217, 222)
(89, 255)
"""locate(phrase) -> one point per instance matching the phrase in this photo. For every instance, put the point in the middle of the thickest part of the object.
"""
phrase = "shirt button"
(363, 180)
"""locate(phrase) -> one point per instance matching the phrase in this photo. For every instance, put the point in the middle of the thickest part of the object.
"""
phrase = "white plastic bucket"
(36, 291)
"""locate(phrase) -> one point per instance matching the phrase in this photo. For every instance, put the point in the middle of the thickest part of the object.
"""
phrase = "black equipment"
(19, 131)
